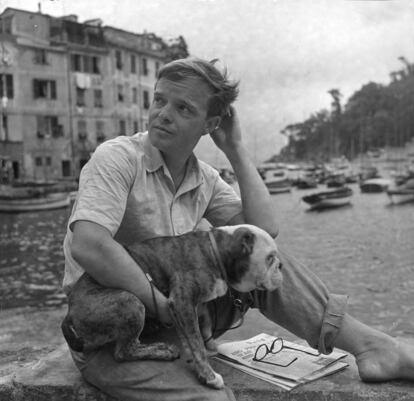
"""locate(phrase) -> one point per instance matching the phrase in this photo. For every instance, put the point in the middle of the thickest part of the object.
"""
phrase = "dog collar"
(217, 254)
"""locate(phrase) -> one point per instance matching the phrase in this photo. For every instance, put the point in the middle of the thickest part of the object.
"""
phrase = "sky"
(287, 54)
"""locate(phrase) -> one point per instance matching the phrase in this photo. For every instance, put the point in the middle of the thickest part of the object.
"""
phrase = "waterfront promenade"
(364, 250)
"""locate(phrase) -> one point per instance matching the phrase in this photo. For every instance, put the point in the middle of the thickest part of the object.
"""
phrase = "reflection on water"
(31, 262)
(365, 250)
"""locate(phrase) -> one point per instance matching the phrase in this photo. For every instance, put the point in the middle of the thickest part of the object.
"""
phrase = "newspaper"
(304, 363)
(286, 384)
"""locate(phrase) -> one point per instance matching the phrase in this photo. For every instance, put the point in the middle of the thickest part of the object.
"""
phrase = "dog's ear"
(246, 240)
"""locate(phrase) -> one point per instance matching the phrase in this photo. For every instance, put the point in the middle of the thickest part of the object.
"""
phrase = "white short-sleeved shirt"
(127, 188)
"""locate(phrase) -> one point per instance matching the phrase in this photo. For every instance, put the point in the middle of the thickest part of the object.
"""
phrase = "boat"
(335, 180)
(33, 204)
(374, 185)
(278, 186)
(403, 193)
(306, 181)
(400, 195)
(330, 198)
(351, 178)
(277, 182)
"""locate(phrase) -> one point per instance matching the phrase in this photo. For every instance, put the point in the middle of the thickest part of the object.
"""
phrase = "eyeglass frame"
(270, 351)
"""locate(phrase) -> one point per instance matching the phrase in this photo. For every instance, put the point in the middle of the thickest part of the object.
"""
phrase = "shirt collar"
(152, 156)
(153, 161)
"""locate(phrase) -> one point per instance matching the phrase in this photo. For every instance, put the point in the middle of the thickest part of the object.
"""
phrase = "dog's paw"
(211, 346)
(211, 353)
(166, 352)
(174, 351)
(216, 382)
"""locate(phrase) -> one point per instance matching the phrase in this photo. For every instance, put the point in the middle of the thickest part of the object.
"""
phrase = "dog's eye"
(270, 259)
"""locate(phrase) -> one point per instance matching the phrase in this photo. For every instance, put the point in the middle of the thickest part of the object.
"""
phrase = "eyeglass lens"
(277, 345)
(262, 350)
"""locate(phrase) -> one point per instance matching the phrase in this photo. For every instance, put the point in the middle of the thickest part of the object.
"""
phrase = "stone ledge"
(55, 378)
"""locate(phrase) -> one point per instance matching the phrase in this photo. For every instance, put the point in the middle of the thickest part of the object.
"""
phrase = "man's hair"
(225, 91)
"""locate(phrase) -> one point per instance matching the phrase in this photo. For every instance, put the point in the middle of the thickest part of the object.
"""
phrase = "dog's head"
(250, 257)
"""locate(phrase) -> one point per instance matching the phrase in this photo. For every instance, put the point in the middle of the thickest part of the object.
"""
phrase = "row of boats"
(45, 196)
(337, 193)
(33, 197)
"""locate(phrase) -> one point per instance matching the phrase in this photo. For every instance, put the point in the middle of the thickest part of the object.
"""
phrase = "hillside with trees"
(375, 116)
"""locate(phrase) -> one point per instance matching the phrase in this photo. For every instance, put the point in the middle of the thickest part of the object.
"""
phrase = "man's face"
(178, 115)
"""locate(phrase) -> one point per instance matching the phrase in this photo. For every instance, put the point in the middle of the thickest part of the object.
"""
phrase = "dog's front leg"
(204, 321)
(185, 317)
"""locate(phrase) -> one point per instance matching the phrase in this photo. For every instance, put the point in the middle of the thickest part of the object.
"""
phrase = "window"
(82, 133)
(75, 33)
(48, 160)
(66, 168)
(6, 85)
(95, 37)
(52, 85)
(122, 127)
(76, 62)
(38, 161)
(98, 99)
(40, 56)
(44, 89)
(100, 132)
(85, 63)
(80, 97)
(41, 127)
(120, 93)
(48, 126)
(133, 64)
(144, 66)
(53, 126)
(157, 68)
(118, 59)
(146, 100)
(5, 126)
(95, 65)
(136, 126)
(5, 24)
(134, 95)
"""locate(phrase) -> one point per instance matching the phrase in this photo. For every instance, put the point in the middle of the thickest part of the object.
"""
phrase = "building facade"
(67, 86)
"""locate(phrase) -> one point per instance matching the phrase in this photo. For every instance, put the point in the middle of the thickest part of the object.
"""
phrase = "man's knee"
(149, 380)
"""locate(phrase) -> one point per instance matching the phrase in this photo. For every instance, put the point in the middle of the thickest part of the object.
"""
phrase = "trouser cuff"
(331, 323)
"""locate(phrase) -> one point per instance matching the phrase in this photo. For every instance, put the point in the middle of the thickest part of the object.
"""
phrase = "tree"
(374, 116)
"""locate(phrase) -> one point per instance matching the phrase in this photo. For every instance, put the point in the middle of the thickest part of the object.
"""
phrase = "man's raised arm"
(258, 208)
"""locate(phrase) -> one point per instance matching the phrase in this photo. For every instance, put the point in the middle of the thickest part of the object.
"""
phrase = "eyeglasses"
(277, 345)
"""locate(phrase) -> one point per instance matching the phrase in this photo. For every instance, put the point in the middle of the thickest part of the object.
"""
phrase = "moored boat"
(306, 182)
(278, 186)
(402, 193)
(335, 180)
(374, 185)
(277, 181)
(329, 199)
(32, 204)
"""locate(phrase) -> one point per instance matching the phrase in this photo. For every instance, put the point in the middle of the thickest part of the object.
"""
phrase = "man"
(150, 185)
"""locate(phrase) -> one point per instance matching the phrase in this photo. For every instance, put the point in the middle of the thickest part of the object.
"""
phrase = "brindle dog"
(189, 270)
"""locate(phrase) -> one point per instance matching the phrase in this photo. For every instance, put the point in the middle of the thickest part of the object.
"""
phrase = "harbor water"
(365, 250)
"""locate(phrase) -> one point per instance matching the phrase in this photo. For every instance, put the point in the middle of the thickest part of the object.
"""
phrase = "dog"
(190, 270)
